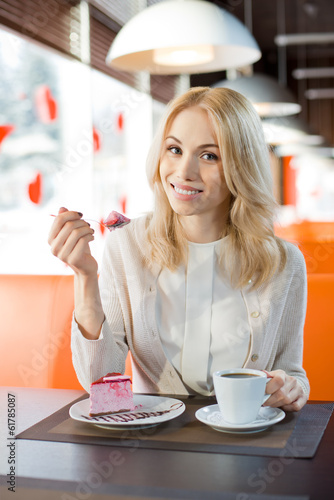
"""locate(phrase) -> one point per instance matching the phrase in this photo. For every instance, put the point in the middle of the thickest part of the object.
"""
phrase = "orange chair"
(316, 242)
(319, 256)
(36, 313)
(307, 231)
(319, 336)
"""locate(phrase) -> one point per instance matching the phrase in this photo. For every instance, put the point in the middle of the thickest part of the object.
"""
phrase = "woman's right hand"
(69, 239)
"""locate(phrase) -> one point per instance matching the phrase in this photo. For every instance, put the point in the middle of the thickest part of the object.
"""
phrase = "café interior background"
(75, 133)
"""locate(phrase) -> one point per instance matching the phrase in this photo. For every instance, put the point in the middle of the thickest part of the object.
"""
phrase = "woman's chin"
(183, 211)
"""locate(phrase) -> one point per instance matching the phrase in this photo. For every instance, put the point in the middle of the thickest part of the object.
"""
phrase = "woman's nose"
(187, 168)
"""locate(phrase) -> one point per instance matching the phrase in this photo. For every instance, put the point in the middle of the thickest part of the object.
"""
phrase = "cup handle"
(266, 396)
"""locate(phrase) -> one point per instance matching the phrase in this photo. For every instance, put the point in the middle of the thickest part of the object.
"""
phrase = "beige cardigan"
(128, 291)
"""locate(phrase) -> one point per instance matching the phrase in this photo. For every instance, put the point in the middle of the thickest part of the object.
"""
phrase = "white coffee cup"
(240, 392)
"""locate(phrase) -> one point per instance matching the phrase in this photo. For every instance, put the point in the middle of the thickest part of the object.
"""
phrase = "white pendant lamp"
(269, 98)
(183, 36)
(289, 130)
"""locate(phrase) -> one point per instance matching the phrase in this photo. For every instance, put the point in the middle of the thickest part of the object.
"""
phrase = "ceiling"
(268, 18)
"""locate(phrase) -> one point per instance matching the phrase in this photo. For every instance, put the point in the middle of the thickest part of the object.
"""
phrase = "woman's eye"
(209, 156)
(174, 150)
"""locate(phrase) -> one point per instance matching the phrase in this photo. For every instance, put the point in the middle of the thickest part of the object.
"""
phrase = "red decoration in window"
(97, 140)
(102, 226)
(5, 130)
(123, 202)
(35, 189)
(120, 122)
(46, 105)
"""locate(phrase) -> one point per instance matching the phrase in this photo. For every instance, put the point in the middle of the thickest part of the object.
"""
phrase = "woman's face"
(191, 168)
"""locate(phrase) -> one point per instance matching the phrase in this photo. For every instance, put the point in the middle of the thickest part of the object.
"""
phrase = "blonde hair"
(250, 247)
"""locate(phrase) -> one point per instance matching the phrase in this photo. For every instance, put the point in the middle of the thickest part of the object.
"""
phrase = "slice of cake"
(115, 220)
(111, 394)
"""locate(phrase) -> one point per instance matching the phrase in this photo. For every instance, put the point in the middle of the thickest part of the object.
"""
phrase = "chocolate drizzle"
(132, 416)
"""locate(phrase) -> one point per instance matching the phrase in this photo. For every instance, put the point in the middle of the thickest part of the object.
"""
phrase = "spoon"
(113, 221)
(91, 220)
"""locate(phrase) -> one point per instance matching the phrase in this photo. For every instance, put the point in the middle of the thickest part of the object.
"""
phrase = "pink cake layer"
(115, 220)
(111, 397)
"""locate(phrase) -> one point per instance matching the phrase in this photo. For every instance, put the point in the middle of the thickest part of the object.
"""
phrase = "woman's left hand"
(286, 392)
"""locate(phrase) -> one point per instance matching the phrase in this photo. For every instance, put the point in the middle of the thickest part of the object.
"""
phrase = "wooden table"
(58, 470)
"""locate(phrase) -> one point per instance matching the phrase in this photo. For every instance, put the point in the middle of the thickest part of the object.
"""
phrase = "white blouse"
(202, 320)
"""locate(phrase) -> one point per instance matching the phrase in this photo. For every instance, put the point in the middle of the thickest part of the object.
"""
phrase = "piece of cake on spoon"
(115, 220)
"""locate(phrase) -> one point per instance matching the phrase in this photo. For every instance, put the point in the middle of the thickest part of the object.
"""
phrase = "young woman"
(202, 283)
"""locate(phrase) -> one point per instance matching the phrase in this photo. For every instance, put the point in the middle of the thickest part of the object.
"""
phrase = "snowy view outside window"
(69, 136)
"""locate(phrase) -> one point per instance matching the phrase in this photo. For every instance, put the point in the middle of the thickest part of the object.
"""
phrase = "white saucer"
(150, 411)
(210, 415)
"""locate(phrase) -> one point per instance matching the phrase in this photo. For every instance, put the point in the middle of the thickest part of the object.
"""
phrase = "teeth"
(183, 191)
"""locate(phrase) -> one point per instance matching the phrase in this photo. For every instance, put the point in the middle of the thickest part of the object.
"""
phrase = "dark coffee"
(239, 375)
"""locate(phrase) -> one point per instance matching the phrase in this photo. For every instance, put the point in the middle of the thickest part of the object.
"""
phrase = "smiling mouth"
(185, 191)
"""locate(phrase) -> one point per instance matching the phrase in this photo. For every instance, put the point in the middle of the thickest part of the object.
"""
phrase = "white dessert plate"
(150, 411)
(210, 415)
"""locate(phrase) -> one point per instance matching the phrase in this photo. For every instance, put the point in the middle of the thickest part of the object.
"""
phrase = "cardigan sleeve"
(93, 359)
(289, 354)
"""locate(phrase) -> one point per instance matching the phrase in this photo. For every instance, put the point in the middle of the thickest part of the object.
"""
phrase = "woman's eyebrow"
(174, 139)
(199, 147)
(208, 146)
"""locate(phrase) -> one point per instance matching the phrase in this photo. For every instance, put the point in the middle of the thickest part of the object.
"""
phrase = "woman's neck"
(199, 230)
